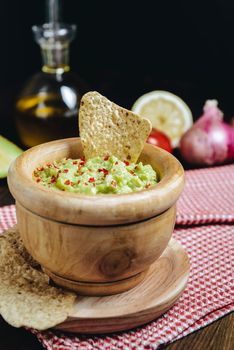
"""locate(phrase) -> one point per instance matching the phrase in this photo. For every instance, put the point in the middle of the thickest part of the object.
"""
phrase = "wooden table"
(217, 336)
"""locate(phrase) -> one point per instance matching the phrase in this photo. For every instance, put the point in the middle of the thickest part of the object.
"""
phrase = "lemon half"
(167, 113)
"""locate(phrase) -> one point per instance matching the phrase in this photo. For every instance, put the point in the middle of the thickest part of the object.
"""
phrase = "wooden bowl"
(96, 245)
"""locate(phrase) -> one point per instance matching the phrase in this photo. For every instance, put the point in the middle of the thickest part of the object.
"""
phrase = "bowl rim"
(101, 209)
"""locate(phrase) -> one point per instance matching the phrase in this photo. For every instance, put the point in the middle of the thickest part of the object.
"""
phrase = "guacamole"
(96, 175)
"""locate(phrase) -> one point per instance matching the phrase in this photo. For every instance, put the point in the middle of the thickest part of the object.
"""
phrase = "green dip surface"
(95, 176)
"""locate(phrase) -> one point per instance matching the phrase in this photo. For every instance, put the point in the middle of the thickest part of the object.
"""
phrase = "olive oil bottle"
(47, 107)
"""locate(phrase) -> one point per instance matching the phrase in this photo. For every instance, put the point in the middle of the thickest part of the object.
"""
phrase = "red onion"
(209, 141)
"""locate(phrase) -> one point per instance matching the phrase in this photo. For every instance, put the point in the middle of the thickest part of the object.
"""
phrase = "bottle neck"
(54, 40)
(55, 58)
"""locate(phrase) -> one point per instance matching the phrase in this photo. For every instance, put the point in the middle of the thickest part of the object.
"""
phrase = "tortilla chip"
(13, 237)
(26, 298)
(107, 129)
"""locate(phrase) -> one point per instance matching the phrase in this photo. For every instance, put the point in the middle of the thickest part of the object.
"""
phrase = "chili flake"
(105, 171)
(132, 172)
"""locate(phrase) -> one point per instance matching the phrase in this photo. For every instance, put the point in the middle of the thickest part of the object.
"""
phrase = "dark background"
(127, 48)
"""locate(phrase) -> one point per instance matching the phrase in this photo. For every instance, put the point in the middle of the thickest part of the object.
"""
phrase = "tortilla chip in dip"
(107, 129)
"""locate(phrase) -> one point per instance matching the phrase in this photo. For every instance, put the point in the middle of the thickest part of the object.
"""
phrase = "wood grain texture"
(162, 286)
(95, 288)
(217, 336)
(100, 209)
(95, 254)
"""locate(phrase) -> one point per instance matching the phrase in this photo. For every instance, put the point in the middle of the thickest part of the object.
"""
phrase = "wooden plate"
(161, 288)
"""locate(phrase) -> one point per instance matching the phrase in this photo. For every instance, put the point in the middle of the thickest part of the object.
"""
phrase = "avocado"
(8, 152)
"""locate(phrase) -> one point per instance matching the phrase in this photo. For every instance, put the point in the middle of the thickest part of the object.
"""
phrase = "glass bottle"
(47, 107)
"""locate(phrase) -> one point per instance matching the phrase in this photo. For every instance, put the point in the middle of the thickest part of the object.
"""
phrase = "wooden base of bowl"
(97, 289)
(163, 284)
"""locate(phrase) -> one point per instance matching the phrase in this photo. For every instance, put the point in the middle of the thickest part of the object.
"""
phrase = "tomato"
(158, 138)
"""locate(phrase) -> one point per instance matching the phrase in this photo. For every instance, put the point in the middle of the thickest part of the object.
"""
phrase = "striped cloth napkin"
(205, 217)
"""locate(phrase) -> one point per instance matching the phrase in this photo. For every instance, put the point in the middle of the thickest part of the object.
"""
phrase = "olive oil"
(41, 124)
(49, 114)
(47, 107)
